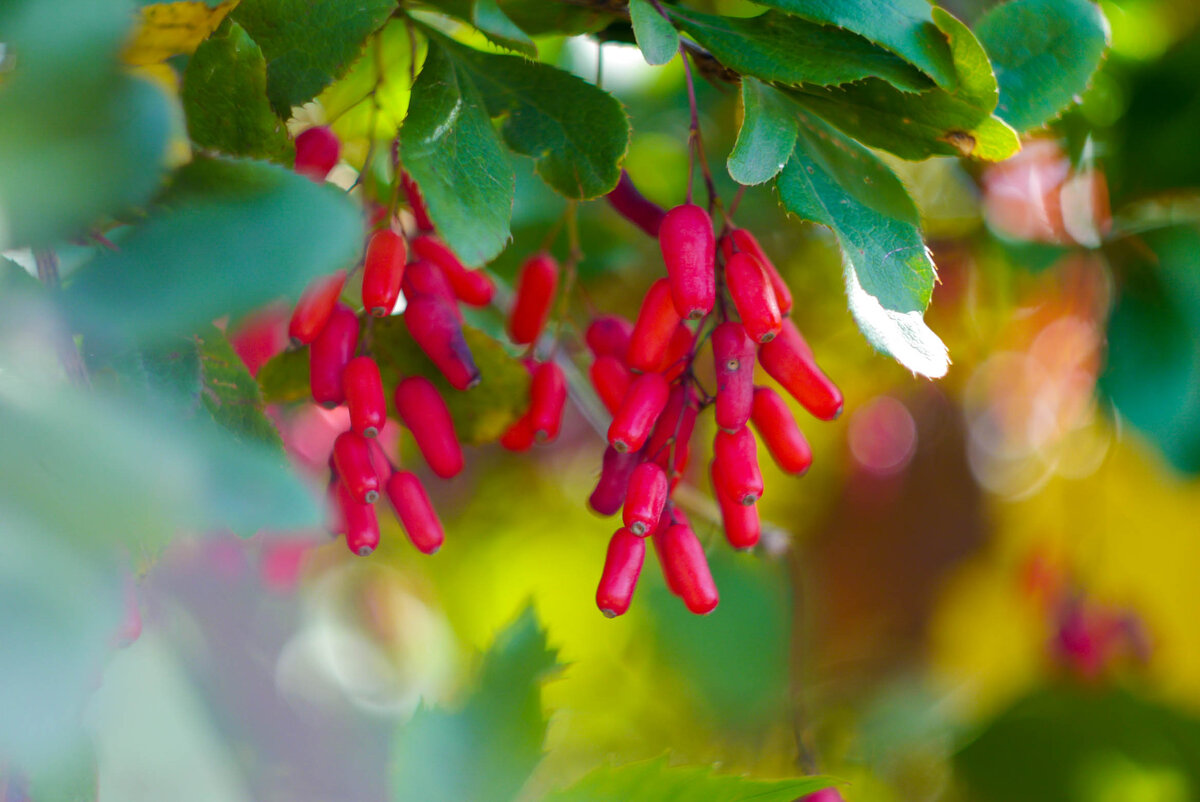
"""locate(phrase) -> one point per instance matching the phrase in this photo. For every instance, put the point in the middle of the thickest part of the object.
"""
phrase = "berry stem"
(68, 352)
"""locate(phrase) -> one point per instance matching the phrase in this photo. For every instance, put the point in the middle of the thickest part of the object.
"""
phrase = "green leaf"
(654, 780)
(308, 43)
(360, 105)
(905, 27)
(767, 137)
(486, 751)
(791, 50)
(228, 236)
(539, 18)
(448, 145)
(834, 181)
(1044, 53)
(230, 393)
(496, 26)
(225, 98)
(655, 34)
(576, 134)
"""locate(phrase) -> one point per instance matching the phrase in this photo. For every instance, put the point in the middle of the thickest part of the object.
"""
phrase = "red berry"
(364, 396)
(635, 207)
(736, 456)
(423, 411)
(317, 152)
(358, 521)
(536, 284)
(472, 287)
(655, 325)
(686, 568)
(548, 397)
(352, 458)
(779, 431)
(424, 278)
(416, 514)
(674, 426)
(383, 270)
(789, 361)
(380, 461)
(679, 348)
(745, 241)
(611, 379)
(329, 354)
(260, 336)
(642, 405)
(314, 307)
(615, 472)
(645, 498)
(434, 327)
(742, 527)
(608, 335)
(519, 436)
(733, 355)
(750, 288)
(622, 566)
(415, 202)
(689, 251)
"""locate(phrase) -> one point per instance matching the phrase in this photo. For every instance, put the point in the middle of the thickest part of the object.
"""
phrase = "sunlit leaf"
(655, 780)
(172, 28)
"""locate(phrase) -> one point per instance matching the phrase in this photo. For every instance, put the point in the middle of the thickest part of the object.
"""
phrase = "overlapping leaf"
(654, 780)
(172, 28)
(767, 137)
(492, 22)
(656, 36)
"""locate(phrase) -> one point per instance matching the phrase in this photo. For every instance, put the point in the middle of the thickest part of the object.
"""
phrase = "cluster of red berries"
(729, 292)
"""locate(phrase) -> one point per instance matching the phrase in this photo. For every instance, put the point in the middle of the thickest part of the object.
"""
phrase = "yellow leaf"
(169, 29)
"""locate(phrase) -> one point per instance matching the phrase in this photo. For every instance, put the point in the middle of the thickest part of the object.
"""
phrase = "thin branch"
(68, 351)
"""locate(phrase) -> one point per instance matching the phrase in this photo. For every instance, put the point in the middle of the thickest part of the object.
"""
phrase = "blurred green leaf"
(656, 36)
(225, 98)
(308, 43)
(1044, 53)
(448, 145)
(792, 50)
(15, 279)
(767, 136)
(230, 393)
(485, 751)
(228, 236)
(654, 781)
(539, 18)
(834, 181)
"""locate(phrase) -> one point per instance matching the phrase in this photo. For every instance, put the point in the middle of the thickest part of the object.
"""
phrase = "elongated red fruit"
(317, 151)
(548, 398)
(788, 360)
(689, 251)
(750, 288)
(383, 270)
(733, 357)
(380, 461)
(352, 457)
(674, 425)
(645, 498)
(686, 568)
(611, 379)
(363, 388)
(329, 354)
(536, 285)
(743, 240)
(741, 523)
(635, 207)
(622, 567)
(424, 413)
(424, 278)
(358, 522)
(779, 432)
(315, 305)
(416, 202)
(434, 328)
(615, 472)
(656, 323)
(416, 514)
(608, 335)
(679, 348)
(642, 405)
(736, 456)
(473, 287)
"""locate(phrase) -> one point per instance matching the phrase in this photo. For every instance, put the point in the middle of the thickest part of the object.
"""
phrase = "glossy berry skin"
(608, 335)
(686, 568)
(536, 285)
(434, 327)
(652, 332)
(329, 354)
(416, 514)
(472, 287)
(788, 360)
(645, 498)
(424, 413)
(635, 207)
(741, 523)
(352, 458)
(622, 567)
(736, 456)
(779, 432)
(519, 436)
(733, 357)
(824, 795)
(416, 202)
(314, 307)
(615, 472)
(548, 398)
(743, 240)
(424, 278)
(689, 251)
(679, 348)
(674, 426)
(358, 522)
(750, 288)
(365, 399)
(383, 270)
(639, 411)
(611, 379)
(317, 151)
